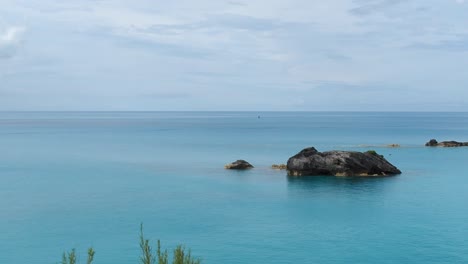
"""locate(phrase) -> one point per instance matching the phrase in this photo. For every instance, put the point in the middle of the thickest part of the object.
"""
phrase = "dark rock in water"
(452, 144)
(448, 144)
(339, 163)
(432, 143)
(238, 165)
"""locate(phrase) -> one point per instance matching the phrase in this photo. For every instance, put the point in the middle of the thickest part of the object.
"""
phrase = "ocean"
(80, 179)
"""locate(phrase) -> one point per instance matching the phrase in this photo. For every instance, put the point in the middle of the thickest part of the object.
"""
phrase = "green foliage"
(90, 255)
(181, 255)
(162, 256)
(64, 258)
(70, 257)
(374, 153)
(146, 254)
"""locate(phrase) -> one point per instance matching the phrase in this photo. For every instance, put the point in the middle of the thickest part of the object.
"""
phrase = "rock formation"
(238, 165)
(434, 143)
(339, 163)
(279, 166)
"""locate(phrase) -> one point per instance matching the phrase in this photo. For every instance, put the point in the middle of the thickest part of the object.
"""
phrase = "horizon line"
(220, 111)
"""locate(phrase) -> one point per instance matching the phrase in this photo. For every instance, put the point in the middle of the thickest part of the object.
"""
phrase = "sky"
(230, 55)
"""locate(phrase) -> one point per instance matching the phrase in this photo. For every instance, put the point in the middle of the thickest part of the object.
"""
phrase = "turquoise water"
(73, 180)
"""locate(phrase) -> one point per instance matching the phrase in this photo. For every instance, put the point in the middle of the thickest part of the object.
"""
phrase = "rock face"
(238, 165)
(432, 143)
(339, 163)
(448, 144)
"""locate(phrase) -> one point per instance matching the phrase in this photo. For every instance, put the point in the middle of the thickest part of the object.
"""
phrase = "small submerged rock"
(279, 166)
(238, 165)
(448, 144)
(339, 163)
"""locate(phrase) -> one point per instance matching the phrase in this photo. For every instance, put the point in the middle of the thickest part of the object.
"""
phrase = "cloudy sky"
(314, 55)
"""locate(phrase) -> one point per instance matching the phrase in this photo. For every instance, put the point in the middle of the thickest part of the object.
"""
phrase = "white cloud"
(214, 47)
(10, 39)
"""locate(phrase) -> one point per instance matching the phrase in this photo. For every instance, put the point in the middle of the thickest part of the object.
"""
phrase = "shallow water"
(73, 180)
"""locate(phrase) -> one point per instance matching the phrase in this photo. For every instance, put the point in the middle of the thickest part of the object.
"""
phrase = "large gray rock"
(339, 163)
(434, 143)
(238, 165)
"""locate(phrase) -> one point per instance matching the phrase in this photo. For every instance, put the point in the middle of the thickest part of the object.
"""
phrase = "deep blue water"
(73, 180)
